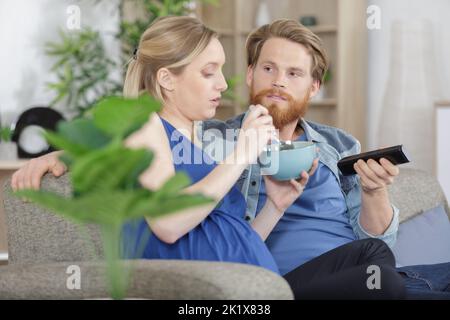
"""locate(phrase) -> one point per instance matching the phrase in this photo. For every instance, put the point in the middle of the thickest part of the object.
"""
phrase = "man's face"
(281, 80)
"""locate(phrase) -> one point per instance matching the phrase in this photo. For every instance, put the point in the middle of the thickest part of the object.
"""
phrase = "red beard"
(282, 116)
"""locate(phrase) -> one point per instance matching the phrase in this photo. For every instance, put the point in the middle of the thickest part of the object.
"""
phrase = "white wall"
(436, 11)
(25, 26)
(443, 148)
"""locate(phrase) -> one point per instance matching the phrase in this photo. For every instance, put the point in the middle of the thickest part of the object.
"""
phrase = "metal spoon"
(280, 145)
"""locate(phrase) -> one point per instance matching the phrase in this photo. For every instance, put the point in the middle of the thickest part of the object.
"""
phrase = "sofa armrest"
(151, 279)
(416, 191)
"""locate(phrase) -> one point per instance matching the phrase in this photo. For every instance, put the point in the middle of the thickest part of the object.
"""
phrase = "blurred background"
(388, 81)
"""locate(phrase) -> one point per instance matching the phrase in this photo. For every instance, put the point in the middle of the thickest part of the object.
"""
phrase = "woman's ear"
(165, 79)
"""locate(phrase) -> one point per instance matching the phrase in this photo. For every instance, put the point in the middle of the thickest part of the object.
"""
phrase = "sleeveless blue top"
(223, 235)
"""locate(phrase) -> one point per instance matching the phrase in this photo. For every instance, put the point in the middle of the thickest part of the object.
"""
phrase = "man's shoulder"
(232, 123)
(341, 140)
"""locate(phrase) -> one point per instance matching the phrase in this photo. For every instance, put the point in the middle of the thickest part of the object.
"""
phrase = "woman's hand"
(30, 175)
(256, 131)
(284, 193)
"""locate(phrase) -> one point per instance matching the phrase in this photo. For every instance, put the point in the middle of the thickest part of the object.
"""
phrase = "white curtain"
(408, 70)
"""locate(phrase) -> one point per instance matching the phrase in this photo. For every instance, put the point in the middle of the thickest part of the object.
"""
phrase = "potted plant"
(104, 176)
(84, 71)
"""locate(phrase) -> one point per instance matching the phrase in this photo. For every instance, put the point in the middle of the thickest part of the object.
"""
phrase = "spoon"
(280, 145)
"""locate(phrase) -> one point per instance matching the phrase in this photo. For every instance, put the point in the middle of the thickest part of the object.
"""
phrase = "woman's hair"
(293, 31)
(170, 42)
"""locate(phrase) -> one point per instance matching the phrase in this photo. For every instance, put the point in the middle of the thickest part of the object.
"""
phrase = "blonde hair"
(170, 42)
(293, 31)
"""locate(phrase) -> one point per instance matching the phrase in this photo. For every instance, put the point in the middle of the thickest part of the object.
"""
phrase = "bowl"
(286, 164)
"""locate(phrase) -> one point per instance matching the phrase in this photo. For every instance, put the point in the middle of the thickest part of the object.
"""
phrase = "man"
(286, 65)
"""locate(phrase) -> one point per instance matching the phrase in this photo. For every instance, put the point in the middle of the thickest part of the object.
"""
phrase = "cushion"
(424, 239)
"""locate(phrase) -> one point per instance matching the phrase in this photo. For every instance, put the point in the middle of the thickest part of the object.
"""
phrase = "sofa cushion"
(424, 239)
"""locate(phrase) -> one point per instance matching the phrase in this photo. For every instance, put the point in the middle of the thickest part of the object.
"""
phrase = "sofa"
(43, 246)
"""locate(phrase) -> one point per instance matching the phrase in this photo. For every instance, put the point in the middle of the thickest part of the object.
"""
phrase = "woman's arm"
(216, 185)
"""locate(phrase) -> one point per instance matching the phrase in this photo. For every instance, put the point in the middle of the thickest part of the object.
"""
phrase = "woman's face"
(197, 90)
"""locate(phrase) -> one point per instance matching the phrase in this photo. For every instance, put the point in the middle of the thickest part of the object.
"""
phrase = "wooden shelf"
(323, 29)
(442, 103)
(324, 102)
(316, 29)
(11, 164)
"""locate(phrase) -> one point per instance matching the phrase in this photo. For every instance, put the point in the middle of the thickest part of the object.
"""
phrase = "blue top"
(223, 235)
(314, 224)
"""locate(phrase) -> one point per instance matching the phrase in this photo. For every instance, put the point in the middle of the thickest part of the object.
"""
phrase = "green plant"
(131, 31)
(83, 70)
(327, 76)
(5, 134)
(104, 177)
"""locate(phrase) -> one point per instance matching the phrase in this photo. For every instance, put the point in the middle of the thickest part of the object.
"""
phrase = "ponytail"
(133, 80)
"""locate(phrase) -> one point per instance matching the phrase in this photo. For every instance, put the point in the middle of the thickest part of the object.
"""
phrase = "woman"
(179, 61)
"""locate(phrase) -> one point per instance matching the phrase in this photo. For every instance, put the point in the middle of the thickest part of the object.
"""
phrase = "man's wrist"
(375, 193)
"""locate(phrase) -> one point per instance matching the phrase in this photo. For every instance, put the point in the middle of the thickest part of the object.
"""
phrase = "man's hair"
(293, 31)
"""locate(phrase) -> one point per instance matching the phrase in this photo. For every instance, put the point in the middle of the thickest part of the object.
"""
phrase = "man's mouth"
(276, 97)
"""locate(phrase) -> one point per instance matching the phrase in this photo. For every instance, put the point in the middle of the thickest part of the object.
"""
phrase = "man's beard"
(282, 115)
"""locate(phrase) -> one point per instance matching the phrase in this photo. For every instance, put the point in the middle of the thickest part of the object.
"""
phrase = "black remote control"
(394, 154)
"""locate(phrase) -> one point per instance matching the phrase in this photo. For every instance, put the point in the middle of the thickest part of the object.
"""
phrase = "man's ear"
(315, 87)
(165, 79)
(249, 76)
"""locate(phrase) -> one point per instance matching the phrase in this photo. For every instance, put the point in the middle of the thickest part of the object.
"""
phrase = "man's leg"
(427, 281)
(344, 273)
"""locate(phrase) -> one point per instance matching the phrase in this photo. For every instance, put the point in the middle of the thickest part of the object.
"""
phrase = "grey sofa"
(42, 246)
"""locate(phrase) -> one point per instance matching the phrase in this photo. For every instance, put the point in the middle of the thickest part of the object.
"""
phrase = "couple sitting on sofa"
(323, 232)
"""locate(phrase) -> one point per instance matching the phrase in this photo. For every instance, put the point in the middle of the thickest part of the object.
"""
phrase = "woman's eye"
(267, 68)
(208, 75)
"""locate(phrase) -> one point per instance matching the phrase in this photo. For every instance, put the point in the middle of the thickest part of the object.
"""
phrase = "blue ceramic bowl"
(288, 164)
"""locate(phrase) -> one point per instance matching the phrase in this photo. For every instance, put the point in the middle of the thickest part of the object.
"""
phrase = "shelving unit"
(342, 27)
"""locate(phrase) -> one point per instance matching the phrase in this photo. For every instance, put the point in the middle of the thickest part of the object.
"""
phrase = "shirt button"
(253, 183)
(247, 218)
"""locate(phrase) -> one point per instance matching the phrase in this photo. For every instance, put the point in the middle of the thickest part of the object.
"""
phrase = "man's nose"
(278, 85)
(278, 82)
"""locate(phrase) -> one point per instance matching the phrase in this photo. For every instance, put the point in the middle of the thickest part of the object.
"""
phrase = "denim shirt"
(334, 144)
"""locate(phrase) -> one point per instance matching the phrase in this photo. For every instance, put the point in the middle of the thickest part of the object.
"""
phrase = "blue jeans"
(430, 281)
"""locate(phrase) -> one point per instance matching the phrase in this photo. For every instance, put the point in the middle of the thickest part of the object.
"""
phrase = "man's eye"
(267, 68)
(208, 75)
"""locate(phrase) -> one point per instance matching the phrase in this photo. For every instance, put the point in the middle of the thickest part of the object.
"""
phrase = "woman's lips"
(216, 102)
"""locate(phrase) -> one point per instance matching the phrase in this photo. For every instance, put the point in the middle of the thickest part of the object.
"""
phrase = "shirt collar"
(311, 134)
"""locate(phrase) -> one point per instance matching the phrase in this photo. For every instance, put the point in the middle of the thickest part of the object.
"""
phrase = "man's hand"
(375, 177)
(284, 193)
(30, 175)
